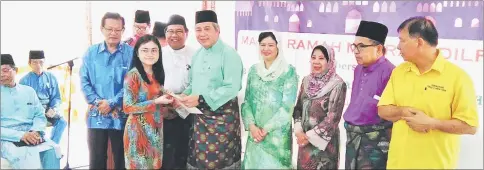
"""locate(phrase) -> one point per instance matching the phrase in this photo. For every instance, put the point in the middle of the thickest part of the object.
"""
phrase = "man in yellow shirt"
(430, 100)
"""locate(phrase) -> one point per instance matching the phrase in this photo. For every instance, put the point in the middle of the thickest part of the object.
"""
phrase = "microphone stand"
(71, 65)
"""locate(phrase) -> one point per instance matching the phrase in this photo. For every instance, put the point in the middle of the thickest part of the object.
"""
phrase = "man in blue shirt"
(47, 88)
(22, 124)
(102, 74)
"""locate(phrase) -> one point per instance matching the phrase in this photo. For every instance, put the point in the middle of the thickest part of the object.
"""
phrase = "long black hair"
(158, 70)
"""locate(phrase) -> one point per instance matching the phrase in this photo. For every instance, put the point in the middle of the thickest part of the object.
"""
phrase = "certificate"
(183, 111)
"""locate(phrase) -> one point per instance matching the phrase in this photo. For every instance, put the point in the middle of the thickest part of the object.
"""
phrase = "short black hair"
(112, 15)
(384, 49)
(421, 27)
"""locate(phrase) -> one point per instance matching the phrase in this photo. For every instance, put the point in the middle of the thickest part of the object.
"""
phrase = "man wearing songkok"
(47, 88)
(431, 101)
(22, 122)
(215, 80)
(177, 57)
(142, 23)
(367, 134)
(159, 32)
(102, 72)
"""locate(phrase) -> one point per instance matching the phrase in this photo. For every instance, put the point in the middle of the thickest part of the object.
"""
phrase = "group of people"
(409, 116)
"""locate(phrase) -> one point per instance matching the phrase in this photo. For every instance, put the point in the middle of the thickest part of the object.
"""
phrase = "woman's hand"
(165, 99)
(302, 139)
(257, 133)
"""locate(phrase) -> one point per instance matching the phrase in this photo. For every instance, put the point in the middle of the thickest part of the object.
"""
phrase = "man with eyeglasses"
(177, 58)
(368, 135)
(47, 88)
(22, 122)
(431, 101)
(159, 32)
(141, 26)
(102, 72)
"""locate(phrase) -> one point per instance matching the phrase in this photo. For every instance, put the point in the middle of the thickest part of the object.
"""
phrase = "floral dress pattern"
(143, 134)
(269, 105)
(324, 114)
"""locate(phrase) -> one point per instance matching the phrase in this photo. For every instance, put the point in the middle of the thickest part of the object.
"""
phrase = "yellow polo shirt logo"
(435, 87)
(444, 92)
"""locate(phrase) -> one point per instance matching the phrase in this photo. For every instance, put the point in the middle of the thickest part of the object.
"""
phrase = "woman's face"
(268, 49)
(149, 53)
(318, 62)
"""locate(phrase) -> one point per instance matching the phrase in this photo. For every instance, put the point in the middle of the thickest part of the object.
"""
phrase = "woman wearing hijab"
(144, 103)
(318, 111)
(269, 100)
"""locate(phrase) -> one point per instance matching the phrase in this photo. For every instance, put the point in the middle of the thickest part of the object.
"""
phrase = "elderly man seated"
(22, 124)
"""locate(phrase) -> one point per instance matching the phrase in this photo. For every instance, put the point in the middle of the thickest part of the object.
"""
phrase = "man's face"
(176, 36)
(37, 65)
(206, 34)
(407, 45)
(140, 29)
(8, 74)
(112, 30)
(366, 51)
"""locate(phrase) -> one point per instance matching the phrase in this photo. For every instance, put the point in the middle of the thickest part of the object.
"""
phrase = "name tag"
(376, 97)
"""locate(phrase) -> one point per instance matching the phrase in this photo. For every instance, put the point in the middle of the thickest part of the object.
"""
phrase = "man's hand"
(408, 112)
(190, 101)
(302, 139)
(50, 113)
(420, 122)
(176, 104)
(103, 107)
(31, 138)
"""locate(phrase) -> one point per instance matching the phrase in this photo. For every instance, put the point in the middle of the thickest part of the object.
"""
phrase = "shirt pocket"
(368, 104)
(119, 73)
(31, 110)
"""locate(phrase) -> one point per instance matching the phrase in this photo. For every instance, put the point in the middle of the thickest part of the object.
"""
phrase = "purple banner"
(454, 19)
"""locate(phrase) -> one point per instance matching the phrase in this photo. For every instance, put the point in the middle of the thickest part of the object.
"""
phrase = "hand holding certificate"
(183, 111)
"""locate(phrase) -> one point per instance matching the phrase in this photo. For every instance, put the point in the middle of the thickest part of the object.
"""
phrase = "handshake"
(183, 104)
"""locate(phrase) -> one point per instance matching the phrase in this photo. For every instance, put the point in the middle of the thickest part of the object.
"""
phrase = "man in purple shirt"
(368, 135)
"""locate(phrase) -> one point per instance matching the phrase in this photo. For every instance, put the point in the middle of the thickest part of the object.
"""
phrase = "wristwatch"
(96, 102)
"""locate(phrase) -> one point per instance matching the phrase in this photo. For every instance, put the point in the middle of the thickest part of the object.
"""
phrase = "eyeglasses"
(359, 47)
(140, 28)
(37, 62)
(153, 51)
(110, 30)
(7, 70)
(178, 32)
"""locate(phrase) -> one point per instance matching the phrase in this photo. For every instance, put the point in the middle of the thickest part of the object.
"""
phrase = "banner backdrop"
(303, 25)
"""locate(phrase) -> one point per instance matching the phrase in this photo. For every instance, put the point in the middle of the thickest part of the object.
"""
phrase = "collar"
(438, 65)
(181, 50)
(217, 47)
(375, 65)
(41, 74)
(15, 87)
(103, 47)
